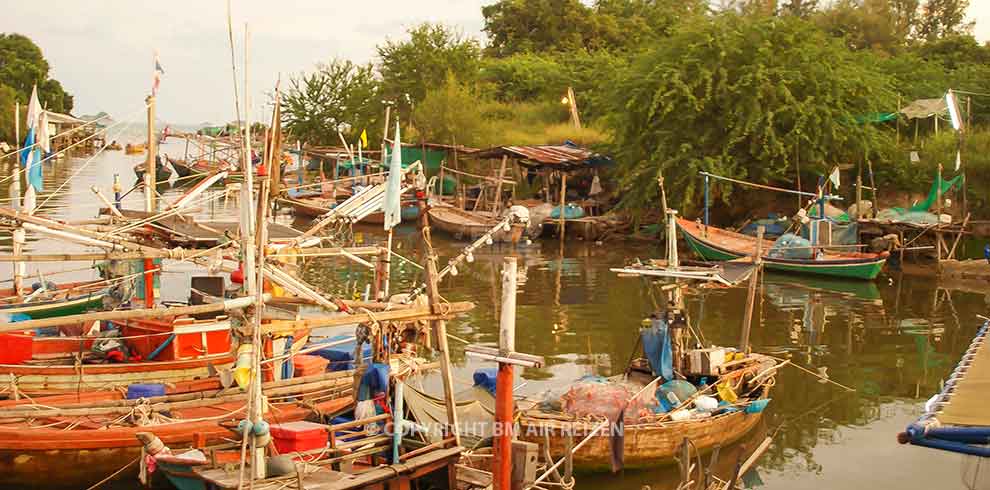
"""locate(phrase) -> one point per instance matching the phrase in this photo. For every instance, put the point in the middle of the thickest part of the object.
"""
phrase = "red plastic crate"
(298, 436)
(308, 365)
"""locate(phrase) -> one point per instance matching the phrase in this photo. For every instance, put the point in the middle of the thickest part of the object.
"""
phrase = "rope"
(115, 473)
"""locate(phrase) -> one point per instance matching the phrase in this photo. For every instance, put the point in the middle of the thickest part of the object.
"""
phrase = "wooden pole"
(751, 293)
(938, 214)
(150, 203)
(439, 326)
(575, 119)
(502, 458)
(496, 203)
(15, 185)
(563, 202)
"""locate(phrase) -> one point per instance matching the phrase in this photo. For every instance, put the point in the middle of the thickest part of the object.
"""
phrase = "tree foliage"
(742, 97)
(410, 68)
(22, 66)
(942, 18)
(339, 95)
(452, 113)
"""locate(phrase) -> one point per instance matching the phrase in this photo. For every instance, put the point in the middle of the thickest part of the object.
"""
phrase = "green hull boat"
(713, 243)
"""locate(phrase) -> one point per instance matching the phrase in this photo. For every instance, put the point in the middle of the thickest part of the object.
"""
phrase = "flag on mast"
(31, 154)
(393, 187)
(157, 76)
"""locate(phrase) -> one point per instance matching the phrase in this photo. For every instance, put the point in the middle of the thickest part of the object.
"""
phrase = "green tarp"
(876, 117)
(947, 185)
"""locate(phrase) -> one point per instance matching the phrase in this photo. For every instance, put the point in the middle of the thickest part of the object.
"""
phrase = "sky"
(102, 52)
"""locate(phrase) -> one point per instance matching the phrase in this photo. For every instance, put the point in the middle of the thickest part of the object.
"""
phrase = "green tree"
(409, 68)
(339, 95)
(943, 18)
(880, 25)
(8, 97)
(22, 66)
(741, 97)
(521, 26)
(451, 112)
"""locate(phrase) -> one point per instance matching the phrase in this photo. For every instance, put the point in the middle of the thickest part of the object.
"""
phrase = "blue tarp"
(656, 345)
(485, 378)
(374, 381)
(341, 357)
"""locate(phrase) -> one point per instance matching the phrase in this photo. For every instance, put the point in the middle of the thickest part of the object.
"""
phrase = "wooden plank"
(409, 314)
(233, 304)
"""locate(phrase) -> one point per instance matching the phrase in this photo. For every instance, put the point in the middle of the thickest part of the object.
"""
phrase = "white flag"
(834, 177)
(393, 187)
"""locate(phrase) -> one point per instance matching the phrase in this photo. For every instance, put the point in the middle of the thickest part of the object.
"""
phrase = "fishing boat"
(75, 445)
(460, 224)
(314, 207)
(162, 173)
(713, 243)
(62, 299)
(185, 169)
(712, 396)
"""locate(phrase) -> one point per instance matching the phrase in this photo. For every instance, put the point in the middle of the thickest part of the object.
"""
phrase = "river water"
(893, 340)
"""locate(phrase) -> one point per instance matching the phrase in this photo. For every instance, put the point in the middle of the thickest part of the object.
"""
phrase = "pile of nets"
(600, 398)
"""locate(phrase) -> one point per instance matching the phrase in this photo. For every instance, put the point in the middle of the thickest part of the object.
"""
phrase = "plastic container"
(706, 403)
(757, 406)
(136, 391)
(298, 436)
(306, 365)
(17, 348)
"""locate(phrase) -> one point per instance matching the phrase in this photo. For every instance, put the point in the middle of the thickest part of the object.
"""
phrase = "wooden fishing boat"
(649, 443)
(185, 169)
(713, 243)
(162, 173)
(75, 451)
(314, 207)
(66, 299)
(463, 224)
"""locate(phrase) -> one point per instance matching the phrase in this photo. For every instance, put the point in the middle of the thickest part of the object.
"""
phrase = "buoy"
(237, 276)
(242, 368)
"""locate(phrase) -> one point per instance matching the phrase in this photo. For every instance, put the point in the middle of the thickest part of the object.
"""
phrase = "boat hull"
(866, 267)
(470, 225)
(644, 446)
(79, 458)
(59, 379)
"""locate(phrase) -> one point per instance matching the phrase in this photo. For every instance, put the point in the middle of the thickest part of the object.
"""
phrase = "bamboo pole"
(751, 293)
(496, 203)
(231, 304)
(563, 202)
(439, 326)
(149, 200)
(19, 237)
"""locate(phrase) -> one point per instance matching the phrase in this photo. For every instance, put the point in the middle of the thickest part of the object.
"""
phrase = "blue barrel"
(136, 391)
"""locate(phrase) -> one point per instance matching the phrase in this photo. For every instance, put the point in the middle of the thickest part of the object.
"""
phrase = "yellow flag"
(364, 138)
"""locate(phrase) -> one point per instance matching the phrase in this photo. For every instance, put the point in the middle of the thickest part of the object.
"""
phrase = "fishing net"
(598, 400)
(791, 246)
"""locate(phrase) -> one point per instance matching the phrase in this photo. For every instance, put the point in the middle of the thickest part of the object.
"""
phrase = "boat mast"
(149, 199)
(15, 190)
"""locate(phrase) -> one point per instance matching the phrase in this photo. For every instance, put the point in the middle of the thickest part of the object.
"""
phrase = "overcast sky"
(102, 51)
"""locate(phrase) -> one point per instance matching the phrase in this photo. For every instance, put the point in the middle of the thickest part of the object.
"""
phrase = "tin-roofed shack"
(553, 173)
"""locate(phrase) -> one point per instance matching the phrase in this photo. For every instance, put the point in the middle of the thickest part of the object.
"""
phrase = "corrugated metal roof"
(543, 155)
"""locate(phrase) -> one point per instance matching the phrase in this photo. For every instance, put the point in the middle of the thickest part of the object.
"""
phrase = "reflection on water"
(893, 341)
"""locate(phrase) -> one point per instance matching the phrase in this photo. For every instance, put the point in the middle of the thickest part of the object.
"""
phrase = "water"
(893, 340)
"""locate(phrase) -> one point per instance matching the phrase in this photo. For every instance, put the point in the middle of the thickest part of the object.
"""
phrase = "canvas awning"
(923, 108)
